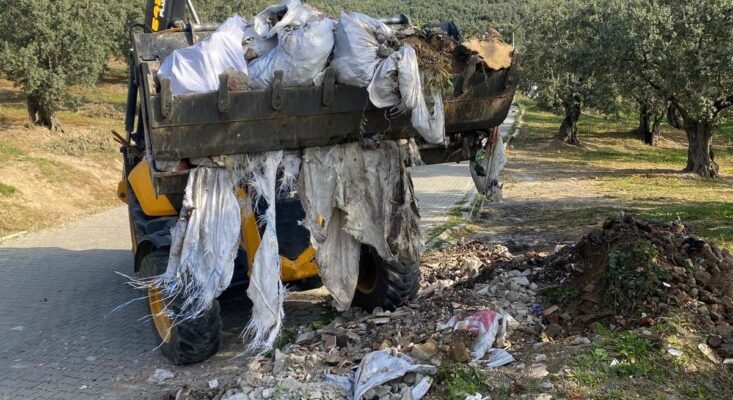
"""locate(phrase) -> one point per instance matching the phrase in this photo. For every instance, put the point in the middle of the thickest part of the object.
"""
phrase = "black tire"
(384, 284)
(190, 341)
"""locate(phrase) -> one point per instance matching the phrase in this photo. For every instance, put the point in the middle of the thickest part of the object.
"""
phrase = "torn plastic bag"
(497, 358)
(204, 242)
(266, 290)
(353, 195)
(196, 69)
(487, 166)
(397, 82)
(379, 367)
(258, 44)
(487, 324)
(356, 54)
(288, 14)
(301, 53)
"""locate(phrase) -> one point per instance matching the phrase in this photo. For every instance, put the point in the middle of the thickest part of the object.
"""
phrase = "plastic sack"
(301, 53)
(396, 82)
(293, 12)
(379, 367)
(356, 53)
(488, 325)
(196, 69)
(353, 195)
(488, 164)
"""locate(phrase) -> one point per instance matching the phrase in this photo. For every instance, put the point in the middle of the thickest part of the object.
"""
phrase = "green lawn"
(644, 179)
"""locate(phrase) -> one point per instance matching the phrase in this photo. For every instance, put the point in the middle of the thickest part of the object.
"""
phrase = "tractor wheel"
(383, 283)
(185, 342)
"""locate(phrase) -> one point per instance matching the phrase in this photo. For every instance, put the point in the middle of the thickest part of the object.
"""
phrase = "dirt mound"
(631, 271)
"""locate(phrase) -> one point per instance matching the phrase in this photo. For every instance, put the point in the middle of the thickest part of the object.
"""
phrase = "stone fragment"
(425, 350)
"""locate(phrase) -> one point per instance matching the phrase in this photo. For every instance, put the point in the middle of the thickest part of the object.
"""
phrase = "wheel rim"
(161, 321)
(368, 272)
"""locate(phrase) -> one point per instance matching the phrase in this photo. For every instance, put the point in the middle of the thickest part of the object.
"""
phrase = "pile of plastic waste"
(351, 194)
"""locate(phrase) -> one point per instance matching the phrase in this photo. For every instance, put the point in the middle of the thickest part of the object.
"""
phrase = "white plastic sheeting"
(265, 289)
(397, 83)
(362, 57)
(305, 41)
(196, 69)
(379, 367)
(490, 161)
(204, 242)
(353, 195)
(356, 53)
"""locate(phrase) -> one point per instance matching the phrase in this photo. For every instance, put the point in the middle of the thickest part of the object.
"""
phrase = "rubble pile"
(457, 285)
(631, 272)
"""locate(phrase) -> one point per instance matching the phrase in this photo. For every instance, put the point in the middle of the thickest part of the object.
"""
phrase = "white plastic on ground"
(488, 325)
(196, 69)
(362, 57)
(353, 195)
(305, 41)
(379, 367)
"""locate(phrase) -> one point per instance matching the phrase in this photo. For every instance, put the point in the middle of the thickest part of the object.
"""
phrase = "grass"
(53, 177)
(627, 174)
(7, 190)
(625, 365)
(460, 380)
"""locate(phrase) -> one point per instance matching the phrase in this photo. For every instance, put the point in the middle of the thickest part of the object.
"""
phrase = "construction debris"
(631, 272)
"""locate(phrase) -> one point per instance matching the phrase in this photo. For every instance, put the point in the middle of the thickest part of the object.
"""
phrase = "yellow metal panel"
(290, 270)
(142, 184)
(122, 191)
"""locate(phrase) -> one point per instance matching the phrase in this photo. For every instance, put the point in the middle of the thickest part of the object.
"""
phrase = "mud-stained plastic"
(301, 53)
(352, 195)
(364, 56)
(379, 367)
(489, 325)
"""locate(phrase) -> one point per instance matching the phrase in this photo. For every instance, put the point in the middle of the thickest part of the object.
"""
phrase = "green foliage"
(559, 294)
(470, 16)
(47, 45)
(557, 58)
(459, 380)
(681, 51)
(633, 275)
(7, 190)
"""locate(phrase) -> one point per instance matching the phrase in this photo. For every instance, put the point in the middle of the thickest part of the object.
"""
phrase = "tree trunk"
(700, 157)
(40, 113)
(674, 118)
(649, 120)
(569, 129)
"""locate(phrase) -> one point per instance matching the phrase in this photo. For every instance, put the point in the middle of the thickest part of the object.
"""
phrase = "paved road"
(59, 285)
(58, 340)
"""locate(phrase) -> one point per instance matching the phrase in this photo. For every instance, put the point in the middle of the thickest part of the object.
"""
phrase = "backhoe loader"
(161, 128)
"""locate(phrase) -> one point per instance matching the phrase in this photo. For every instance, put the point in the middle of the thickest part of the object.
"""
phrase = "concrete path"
(58, 339)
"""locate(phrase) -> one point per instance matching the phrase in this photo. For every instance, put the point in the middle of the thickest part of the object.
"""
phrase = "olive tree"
(558, 57)
(47, 45)
(682, 51)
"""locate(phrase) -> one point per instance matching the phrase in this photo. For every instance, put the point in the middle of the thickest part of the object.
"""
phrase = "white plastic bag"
(196, 69)
(301, 53)
(355, 55)
(382, 366)
(296, 14)
(396, 82)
